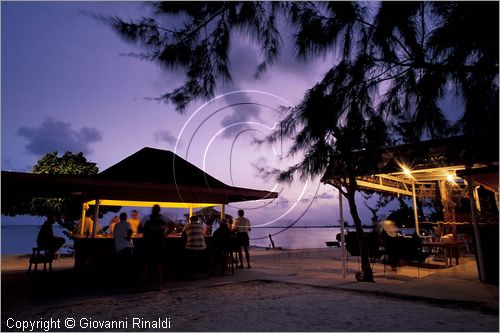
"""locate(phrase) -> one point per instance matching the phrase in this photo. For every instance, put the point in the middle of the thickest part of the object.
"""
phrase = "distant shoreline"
(293, 226)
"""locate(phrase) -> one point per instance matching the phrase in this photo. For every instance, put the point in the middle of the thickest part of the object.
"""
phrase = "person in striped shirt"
(195, 254)
(195, 234)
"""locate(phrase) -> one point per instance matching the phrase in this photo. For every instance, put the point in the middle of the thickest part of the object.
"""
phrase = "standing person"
(134, 221)
(46, 238)
(241, 226)
(122, 232)
(154, 244)
(88, 225)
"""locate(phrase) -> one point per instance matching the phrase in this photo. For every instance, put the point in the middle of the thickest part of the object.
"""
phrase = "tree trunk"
(367, 274)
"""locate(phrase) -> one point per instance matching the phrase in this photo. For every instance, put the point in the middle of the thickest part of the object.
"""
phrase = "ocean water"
(293, 238)
(20, 239)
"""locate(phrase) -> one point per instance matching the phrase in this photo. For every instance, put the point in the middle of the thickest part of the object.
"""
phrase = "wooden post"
(96, 218)
(222, 212)
(342, 235)
(415, 208)
(448, 207)
(475, 222)
(476, 199)
(82, 221)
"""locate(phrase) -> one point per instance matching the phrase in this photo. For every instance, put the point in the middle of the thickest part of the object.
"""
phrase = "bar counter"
(99, 252)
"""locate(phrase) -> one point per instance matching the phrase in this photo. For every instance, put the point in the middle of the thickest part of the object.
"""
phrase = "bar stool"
(37, 257)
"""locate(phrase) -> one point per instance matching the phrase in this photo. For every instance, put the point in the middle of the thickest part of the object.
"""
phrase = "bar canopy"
(397, 169)
(145, 177)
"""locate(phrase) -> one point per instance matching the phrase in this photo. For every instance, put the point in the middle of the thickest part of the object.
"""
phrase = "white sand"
(224, 304)
(270, 306)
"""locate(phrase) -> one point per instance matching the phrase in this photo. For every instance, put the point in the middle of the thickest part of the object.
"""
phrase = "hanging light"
(407, 171)
(450, 178)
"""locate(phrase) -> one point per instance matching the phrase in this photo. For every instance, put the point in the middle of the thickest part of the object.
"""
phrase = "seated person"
(46, 239)
(390, 228)
(221, 246)
(389, 236)
(221, 239)
(195, 255)
(195, 234)
(436, 233)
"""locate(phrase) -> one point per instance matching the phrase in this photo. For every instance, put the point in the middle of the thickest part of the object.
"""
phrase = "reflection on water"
(293, 238)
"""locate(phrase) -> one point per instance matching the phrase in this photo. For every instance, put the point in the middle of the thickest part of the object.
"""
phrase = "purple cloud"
(165, 136)
(56, 135)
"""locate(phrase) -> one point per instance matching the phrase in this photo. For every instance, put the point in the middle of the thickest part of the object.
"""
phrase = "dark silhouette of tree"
(392, 65)
(53, 164)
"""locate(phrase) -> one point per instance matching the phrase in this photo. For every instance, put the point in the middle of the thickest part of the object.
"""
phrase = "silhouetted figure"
(242, 226)
(221, 247)
(154, 245)
(390, 238)
(46, 238)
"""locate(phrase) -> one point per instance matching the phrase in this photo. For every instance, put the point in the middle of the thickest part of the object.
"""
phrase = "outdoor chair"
(403, 248)
(352, 247)
(40, 256)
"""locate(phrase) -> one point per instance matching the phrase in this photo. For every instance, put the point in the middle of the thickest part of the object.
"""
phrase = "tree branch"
(196, 29)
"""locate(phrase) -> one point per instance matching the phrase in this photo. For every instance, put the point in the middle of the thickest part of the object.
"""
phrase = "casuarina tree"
(392, 64)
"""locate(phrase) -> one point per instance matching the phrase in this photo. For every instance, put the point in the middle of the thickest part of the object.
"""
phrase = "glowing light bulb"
(407, 172)
(450, 178)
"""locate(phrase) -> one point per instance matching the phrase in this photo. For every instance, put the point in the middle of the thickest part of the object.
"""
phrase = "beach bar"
(147, 177)
(436, 169)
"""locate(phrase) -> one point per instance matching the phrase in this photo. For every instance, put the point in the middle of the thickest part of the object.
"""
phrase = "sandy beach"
(296, 290)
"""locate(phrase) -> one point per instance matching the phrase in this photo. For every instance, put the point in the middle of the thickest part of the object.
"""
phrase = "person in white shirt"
(241, 226)
(122, 233)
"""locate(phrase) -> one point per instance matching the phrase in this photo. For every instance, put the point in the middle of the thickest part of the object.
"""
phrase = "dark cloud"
(56, 135)
(246, 56)
(244, 60)
(165, 136)
(264, 171)
(242, 109)
(325, 195)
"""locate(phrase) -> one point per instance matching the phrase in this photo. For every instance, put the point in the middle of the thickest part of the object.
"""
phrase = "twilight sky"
(67, 85)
